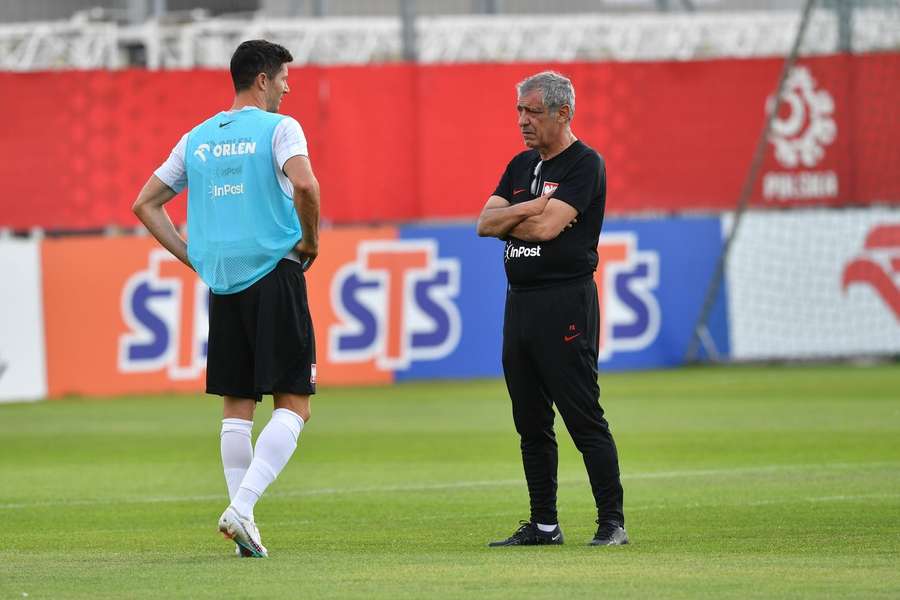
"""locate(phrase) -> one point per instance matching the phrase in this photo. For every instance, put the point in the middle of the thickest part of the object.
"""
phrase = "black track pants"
(550, 348)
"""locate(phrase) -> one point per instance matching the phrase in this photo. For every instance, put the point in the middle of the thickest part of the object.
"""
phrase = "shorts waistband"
(294, 256)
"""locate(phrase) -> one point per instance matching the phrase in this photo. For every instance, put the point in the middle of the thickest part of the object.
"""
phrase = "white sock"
(237, 452)
(274, 448)
(546, 528)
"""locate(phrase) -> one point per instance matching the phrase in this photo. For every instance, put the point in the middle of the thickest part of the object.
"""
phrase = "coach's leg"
(532, 414)
(235, 440)
(584, 419)
(533, 417)
(274, 448)
(569, 366)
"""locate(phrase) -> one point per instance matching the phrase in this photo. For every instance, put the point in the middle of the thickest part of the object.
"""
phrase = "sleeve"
(584, 183)
(172, 172)
(288, 141)
(504, 188)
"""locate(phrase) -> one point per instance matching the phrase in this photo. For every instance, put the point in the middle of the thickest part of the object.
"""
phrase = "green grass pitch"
(740, 482)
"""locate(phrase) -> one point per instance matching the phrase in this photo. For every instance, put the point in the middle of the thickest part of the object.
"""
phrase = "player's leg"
(230, 374)
(284, 365)
(236, 442)
(274, 448)
(568, 366)
(236, 446)
(533, 417)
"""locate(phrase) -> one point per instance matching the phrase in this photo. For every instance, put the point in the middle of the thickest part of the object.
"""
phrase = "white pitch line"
(454, 485)
(766, 502)
(760, 470)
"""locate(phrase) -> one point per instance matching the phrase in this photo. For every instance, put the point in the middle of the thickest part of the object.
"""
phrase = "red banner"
(406, 142)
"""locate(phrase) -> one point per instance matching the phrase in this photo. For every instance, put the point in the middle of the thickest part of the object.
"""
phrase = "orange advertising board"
(95, 291)
(124, 316)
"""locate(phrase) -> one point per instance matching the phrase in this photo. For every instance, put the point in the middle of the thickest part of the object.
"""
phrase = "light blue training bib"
(240, 222)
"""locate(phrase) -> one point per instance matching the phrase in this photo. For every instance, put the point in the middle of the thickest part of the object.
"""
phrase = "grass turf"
(740, 482)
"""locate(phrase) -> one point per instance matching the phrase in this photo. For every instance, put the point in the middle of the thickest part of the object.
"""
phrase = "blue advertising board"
(652, 277)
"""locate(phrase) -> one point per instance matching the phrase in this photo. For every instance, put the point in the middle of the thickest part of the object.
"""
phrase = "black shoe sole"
(503, 544)
(596, 542)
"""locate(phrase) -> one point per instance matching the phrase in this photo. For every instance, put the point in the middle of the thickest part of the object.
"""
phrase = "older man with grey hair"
(548, 207)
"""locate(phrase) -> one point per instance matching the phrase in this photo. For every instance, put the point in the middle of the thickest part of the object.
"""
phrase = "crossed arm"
(538, 220)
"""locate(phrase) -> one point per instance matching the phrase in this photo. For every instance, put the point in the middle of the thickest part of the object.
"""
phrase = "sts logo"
(626, 278)
(165, 308)
(395, 305)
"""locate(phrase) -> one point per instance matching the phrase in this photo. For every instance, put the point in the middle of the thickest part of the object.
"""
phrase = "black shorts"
(261, 339)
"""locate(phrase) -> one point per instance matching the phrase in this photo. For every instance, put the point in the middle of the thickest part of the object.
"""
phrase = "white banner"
(815, 284)
(23, 373)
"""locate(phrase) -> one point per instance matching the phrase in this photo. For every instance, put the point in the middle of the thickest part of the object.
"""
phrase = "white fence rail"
(80, 44)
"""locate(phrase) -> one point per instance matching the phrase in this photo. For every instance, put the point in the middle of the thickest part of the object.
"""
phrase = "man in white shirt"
(253, 218)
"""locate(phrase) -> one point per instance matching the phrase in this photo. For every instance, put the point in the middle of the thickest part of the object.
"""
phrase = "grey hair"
(556, 90)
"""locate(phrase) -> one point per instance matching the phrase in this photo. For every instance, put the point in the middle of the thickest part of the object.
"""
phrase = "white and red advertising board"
(815, 284)
(22, 368)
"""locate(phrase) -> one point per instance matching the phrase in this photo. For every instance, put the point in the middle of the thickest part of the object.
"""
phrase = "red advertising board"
(407, 142)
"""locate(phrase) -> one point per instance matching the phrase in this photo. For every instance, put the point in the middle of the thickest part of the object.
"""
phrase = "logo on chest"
(549, 188)
(516, 251)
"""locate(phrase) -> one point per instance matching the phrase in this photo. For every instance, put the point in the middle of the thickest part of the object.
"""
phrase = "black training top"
(579, 175)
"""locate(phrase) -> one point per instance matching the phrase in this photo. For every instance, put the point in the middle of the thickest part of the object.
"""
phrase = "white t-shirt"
(287, 141)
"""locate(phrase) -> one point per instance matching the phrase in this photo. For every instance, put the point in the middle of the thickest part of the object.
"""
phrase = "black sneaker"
(528, 534)
(609, 534)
